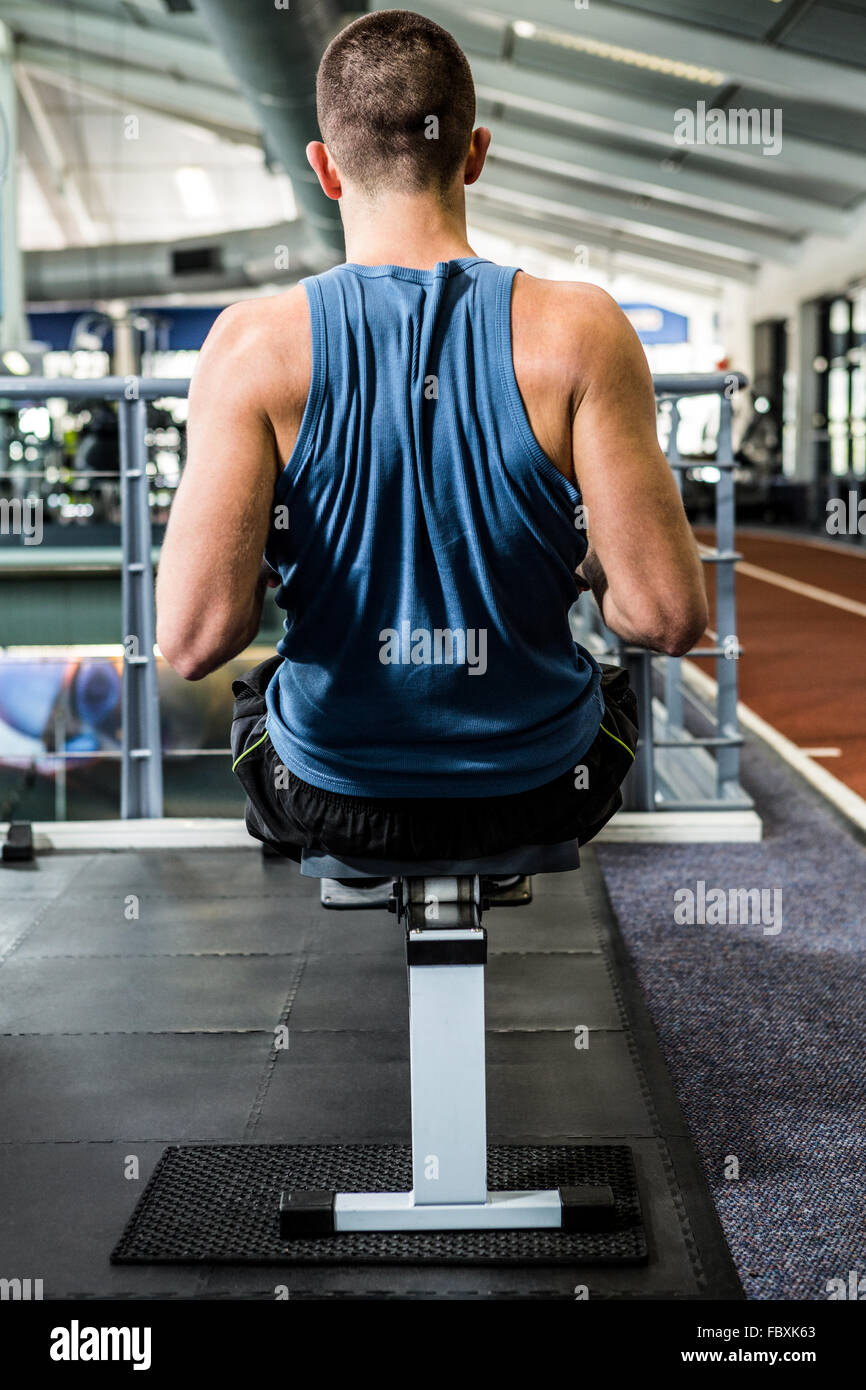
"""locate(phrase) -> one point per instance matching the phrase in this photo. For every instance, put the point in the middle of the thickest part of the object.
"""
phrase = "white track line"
(796, 586)
(850, 548)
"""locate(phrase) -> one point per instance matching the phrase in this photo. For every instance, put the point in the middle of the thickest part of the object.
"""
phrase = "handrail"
(109, 388)
(698, 383)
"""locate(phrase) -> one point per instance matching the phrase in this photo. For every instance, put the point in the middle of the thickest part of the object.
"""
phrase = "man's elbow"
(190, 658)
(192, 669)
(684, 629)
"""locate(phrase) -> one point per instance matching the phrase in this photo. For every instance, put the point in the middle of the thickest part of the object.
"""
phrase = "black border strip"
(719, 1270)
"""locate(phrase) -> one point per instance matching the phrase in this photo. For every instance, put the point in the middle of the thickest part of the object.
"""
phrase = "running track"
(801, 608)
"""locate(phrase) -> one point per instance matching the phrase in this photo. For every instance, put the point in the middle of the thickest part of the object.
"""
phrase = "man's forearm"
(254, 621)
(268, 579)
(228, 643)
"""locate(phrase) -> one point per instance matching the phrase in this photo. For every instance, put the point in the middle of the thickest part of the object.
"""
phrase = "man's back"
(428, 562)
(553, 324)
(584, 381)
(546, 346)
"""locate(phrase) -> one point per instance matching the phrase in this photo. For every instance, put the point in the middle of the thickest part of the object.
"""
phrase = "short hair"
(396, 102)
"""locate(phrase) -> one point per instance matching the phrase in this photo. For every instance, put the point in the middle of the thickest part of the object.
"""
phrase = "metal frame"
(446, 950)
(658, 781)
(141, 750)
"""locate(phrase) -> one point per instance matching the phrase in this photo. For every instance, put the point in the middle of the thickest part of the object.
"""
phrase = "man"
(435, 455)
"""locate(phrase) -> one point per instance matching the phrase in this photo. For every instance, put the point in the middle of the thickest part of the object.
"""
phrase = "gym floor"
(125, 971)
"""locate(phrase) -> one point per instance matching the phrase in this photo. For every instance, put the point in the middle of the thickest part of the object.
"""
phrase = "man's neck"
(405, 230)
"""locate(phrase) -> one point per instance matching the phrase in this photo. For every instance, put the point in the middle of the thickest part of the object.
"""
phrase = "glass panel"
(838, 394)
(840, 316)
(838, 450)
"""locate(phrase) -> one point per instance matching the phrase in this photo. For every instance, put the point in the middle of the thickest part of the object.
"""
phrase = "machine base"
(220, 1204)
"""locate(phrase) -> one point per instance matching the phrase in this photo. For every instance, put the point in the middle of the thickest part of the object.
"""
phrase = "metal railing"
(677, 768)
(141, 743)
(657, 781)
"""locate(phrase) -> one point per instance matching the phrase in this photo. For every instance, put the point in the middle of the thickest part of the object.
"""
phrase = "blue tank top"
(426, 547)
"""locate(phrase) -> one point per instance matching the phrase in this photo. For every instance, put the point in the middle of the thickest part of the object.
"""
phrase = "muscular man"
(434, 454)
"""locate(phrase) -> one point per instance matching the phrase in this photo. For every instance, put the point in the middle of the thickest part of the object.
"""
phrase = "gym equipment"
(18, 845)
(440, 904)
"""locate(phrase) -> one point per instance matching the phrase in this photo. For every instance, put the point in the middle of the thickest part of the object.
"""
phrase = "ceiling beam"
(641, 120)
(72, 156)
(568, 238)
(27, 16)
(66, 82)
(654, 177)
(189, 101)
(777, 71)
(644, 216)
(119, 39)
(50, 167)
(67, 225)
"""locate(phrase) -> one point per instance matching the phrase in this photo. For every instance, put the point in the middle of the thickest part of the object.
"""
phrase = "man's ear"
(478, 147)
(323, 166)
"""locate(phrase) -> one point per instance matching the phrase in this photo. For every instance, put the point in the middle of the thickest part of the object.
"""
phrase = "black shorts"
(289, 814)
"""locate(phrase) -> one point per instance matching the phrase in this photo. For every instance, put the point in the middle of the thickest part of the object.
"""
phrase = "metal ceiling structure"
(585, 105)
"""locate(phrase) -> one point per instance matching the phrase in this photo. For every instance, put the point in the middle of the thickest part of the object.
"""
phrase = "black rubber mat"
(219, 1204)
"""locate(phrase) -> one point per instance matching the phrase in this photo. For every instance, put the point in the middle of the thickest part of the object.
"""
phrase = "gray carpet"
(764, 1033)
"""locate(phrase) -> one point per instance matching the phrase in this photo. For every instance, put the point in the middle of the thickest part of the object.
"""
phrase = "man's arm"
(211, 581)
(643, 563)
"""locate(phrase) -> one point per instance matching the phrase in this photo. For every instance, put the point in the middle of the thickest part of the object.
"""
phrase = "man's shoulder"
(570, 329)
(578, 309)
(270, 315)
(267, 340)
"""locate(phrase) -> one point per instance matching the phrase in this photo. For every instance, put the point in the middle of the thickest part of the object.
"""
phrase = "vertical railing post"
(673, 664)
(141, 755)
(59, 763)
(728, 757)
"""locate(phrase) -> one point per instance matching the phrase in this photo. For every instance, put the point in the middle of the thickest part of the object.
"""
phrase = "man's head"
(396, 107)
